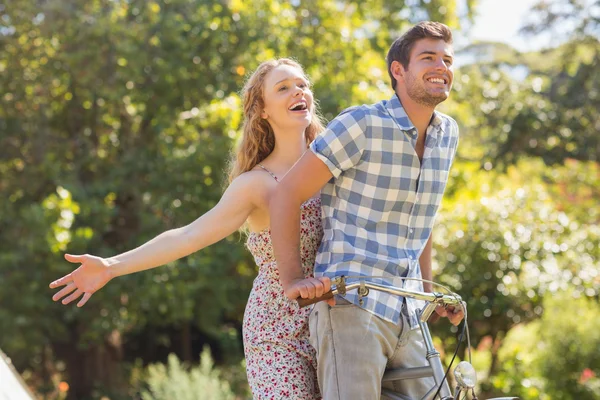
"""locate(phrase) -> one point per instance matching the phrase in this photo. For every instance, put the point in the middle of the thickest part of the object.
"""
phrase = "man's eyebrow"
(434, 53)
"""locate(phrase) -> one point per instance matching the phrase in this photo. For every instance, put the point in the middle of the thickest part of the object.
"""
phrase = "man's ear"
(397, 71)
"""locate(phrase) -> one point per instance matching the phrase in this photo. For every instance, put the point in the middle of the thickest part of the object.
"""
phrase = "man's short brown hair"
(401, 48)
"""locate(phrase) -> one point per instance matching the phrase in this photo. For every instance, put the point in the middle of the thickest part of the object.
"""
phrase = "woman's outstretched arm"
(237, 203)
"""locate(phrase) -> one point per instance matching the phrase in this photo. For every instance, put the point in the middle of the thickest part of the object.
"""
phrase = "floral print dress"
(280, 362)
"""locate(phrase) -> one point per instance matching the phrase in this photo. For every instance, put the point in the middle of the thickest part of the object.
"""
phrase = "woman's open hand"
(91, 276)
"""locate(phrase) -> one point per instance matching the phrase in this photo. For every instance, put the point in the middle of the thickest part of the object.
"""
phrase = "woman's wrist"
(113, 266)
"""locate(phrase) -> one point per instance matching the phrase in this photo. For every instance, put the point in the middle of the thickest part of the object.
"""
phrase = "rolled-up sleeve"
(342, 144)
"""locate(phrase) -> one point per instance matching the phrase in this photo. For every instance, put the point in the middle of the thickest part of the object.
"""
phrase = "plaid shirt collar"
(398, 114)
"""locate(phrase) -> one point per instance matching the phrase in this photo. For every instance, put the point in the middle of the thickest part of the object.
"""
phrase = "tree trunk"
(496, 343)
(92, 366)
(186, 342)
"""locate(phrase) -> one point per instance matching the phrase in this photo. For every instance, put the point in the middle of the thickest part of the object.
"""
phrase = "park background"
(116, 122)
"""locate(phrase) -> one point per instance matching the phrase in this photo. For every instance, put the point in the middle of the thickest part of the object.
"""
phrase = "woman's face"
(288, 99)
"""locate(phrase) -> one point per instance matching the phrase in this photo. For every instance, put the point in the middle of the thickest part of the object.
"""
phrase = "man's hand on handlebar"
(308, 288)
(454, 313)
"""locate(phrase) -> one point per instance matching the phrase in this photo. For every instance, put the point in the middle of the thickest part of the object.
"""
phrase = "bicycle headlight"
(465, 375)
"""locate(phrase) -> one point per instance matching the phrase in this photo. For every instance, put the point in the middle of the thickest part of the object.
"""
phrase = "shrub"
(175, 381)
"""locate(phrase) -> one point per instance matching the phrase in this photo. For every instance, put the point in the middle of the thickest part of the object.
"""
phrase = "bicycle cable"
(460, 340)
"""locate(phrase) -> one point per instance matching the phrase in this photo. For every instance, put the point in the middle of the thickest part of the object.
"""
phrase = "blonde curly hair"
(258, 140)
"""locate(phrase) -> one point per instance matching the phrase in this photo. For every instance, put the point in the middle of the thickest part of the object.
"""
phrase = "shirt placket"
(430, 143)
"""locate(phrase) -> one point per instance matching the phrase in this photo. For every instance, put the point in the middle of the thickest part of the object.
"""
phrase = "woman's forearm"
(163, 249)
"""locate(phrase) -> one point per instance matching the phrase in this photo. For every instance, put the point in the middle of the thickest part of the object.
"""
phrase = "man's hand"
(308, 288)
(454, 313)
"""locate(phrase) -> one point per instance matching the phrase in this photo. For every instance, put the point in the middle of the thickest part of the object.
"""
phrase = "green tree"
(505, 242)
(554, 357)
(541, 103)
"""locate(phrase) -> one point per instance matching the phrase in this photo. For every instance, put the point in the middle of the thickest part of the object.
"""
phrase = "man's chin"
(437, 98)
(431, 101)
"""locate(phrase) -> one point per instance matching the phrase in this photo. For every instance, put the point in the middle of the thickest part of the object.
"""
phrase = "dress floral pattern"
(280, 362)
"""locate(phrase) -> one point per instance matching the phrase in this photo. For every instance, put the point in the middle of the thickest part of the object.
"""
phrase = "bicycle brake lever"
(430, 307)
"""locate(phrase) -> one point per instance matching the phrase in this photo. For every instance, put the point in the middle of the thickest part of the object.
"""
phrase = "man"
(382, 170)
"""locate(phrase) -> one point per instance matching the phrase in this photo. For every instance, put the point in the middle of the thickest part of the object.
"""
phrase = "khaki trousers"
(354, 347)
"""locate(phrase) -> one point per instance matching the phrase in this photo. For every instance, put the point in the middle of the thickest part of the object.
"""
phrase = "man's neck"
(420, 115)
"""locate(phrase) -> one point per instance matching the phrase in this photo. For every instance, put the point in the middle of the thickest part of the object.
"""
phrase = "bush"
(556, 357)
(175, 381)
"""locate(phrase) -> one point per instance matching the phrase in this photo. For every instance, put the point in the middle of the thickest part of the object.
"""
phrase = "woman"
(280, 119)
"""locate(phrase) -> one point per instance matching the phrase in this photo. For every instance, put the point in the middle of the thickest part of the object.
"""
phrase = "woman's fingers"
(62, 281)
(84, 299)
(65, 291)
(73, 296)
(75, 258)
(69, 281)
(69, 277)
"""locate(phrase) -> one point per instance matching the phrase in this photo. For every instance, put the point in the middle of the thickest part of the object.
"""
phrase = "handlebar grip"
(307, 302)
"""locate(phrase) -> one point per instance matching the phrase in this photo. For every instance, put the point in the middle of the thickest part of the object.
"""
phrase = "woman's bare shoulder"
(255, 184)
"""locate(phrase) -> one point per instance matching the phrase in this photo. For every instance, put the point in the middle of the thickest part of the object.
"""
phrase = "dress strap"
(270, 173)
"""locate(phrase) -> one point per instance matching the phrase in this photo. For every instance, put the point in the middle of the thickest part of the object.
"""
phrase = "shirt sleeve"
(454, 137)
(342, 144)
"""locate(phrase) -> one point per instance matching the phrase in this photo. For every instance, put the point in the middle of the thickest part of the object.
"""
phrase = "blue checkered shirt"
(379, 209)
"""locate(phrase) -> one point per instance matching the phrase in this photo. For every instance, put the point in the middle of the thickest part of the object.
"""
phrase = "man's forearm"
(285, 234)
(425, 263)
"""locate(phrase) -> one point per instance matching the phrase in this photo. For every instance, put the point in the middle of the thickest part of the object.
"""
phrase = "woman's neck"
(289, 147)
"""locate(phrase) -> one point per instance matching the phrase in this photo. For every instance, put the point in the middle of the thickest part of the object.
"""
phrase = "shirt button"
(411, 230)
(417, 199)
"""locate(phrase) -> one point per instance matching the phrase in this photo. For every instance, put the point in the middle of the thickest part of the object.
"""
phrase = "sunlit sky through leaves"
(500, 20)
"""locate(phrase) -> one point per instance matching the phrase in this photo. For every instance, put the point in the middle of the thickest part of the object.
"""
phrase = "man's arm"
(425, 263)
(454, 314)
(304, 180)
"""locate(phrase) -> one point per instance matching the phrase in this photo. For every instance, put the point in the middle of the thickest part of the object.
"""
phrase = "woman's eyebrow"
(289, 79)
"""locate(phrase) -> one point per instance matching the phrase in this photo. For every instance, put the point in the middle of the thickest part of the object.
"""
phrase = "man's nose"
(441, 64)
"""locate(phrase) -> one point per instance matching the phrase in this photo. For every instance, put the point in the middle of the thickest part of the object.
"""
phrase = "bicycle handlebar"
(341, 287)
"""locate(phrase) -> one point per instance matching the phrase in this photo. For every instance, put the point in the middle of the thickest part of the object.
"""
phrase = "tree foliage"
(116, 119)
(552, 358)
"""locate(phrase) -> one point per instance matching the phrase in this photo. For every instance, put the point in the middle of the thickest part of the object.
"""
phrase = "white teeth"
(300, 105)
(436, 80)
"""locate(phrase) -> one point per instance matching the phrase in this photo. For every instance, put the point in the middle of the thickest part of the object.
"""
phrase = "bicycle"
(464, 373)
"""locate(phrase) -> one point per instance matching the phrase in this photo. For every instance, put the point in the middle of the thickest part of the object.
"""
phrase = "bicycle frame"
(435, 368)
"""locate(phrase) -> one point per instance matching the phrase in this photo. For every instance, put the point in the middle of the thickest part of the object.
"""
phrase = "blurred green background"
(116, 121)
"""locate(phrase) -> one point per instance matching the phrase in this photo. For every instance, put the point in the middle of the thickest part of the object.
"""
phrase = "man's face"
(428, 78)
